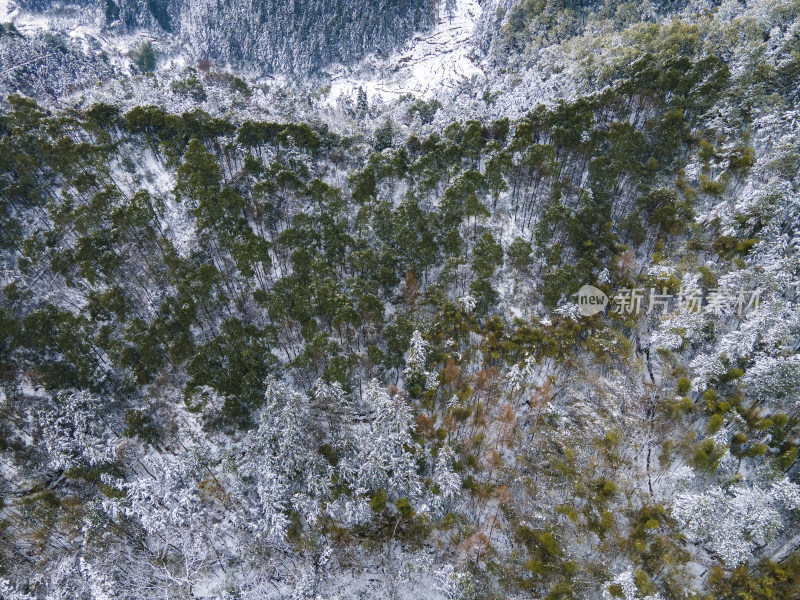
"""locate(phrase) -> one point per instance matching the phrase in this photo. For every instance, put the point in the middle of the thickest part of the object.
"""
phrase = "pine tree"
(451, 8)
(145, 58)
(362, 105)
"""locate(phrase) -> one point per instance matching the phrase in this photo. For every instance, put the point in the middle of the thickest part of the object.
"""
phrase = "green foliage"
(425, 109)
(141, 425)
(384, 136)
(144, 58)
(235, 363)
(788, 458)
(158, 8)
(485, 295)
(605, 489)
(707, 455)
(240, 86)
(615, 589)
(768, 580)
(519, 255)
(111, 11)
(404, 508)
(714, 424)
(487, 257)
(104, 115)
(728, 246)
(190, 87)
(643, 584)
(741, 160)
(287, 275)
(665, 210)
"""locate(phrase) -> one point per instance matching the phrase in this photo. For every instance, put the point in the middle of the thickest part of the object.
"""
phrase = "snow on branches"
(734, 523)
(73, 433)
(625, 586)
(416, 354)
(382, 458)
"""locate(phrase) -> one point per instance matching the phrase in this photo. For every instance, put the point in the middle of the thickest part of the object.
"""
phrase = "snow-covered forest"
(290, 300)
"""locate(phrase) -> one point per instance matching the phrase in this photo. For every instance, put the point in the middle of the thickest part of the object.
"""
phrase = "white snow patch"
(7, 11)
(429, 63)
(26, 23)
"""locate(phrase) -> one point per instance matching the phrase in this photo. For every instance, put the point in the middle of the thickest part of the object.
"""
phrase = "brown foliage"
(451, 375)
(487, 385)
(210, 490)
(486, 379)
(410, 289)
(494, 459)
(627, 261)
(450, 423)
(426, 426)
(474, 546)
(542, 397)
(508, 421)
(502, 495)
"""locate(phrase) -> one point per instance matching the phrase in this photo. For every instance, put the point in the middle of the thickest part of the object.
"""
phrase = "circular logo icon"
(591, 300)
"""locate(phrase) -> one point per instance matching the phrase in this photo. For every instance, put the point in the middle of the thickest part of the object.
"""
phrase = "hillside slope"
(525, 332)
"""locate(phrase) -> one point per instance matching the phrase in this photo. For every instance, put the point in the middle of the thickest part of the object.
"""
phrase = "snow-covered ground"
(7, 8)
(430, 62)
(25, 22)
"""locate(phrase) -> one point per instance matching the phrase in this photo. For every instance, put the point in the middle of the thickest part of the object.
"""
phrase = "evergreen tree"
(145, 58)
